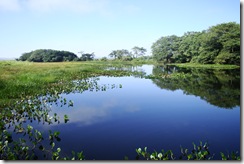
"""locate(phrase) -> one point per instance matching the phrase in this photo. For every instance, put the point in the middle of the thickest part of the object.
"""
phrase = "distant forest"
(219, 44)
(47, 55)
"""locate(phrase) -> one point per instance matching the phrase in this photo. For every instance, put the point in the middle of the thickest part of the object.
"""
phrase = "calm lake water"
(154, 113)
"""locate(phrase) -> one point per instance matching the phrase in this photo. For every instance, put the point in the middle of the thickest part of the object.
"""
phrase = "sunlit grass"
(26, 78)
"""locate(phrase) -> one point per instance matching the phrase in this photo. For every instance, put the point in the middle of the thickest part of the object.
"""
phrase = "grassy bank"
(205, 66)
(18, 79)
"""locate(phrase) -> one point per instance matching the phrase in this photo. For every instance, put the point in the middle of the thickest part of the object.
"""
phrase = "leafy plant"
(199, 152)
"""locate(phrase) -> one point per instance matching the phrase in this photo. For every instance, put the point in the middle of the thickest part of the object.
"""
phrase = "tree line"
(219, 44)
(124, 54)
(48, 55)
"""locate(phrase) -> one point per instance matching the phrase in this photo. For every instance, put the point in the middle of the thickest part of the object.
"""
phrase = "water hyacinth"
(160, 155)
(152, 157)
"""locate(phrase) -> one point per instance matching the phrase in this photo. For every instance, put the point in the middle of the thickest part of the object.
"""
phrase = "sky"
(101, 26)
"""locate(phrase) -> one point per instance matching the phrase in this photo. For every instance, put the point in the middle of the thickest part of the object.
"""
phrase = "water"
(111, 124)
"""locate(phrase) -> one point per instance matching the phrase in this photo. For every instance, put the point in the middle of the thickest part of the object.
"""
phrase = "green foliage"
(125, 55)
(226, 57)
(164, 48)
(219, 44)
(104, 59)
(48, 55)
(25, 56)
(120, 54)
(188, 47)
(232, 156)
(87, 57)
(198, 152)
(36, 108)
(163, 155)
(66, 118)
(138, 51)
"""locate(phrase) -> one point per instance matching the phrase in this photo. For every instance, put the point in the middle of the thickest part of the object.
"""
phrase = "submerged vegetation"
(28, 90)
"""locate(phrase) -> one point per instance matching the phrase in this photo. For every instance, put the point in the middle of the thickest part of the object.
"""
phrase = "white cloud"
(9, 5)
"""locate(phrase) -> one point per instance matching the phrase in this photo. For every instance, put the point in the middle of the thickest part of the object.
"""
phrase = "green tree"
(218, 44)
(119, 54)
(113, 54)
(48, 55)
(188, 48)
(138, 51)
(223, 40)
(87, 56)
(25, 56)
(164, 48)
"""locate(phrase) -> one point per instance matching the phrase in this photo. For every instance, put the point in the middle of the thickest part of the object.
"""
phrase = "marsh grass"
(205, 66)
(18, 79)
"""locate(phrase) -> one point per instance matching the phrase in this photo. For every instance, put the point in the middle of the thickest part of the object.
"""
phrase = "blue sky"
(101, 26)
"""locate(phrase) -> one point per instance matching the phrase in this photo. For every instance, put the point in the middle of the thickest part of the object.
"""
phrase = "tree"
(48, 55)
(104, 59)
(223, 40)
(123, 53)
(218, 44)
(25, 56)
(119, 54)
(113, 54)
(138, 51)
(87, 56)
(164, 48)
(188, 48)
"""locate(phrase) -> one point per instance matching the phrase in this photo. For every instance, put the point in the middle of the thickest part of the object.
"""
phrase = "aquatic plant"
(198, 152)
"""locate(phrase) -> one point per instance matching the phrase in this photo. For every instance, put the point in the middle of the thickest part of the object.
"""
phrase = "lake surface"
(158, 113)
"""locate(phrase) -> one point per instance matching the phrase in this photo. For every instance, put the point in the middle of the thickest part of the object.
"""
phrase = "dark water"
(155, 113)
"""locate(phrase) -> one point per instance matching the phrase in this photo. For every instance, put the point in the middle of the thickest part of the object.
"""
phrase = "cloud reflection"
(82, 114)
(87, 115)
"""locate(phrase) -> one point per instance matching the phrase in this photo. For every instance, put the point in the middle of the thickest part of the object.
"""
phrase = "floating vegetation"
(16, 118)
(198, 152)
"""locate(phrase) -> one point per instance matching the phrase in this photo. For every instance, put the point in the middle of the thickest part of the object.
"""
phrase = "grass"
(205, 66)
(19, 79)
